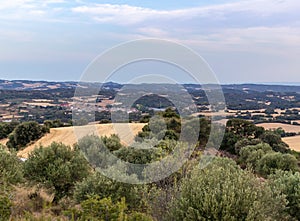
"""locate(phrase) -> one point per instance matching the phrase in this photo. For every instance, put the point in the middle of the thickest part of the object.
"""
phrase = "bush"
(236, 130)
(112, 143)
(5, 206)
(137, 216)
(288, 183)
(10, 167)
(7, 128)
(53, 123)
(274, 140)
(245, 142)
(25, 133)
(97, 184)
(250, 155)
(57, 167)
(139, 155)
(222, 191)
(95, 208)
(271, 162)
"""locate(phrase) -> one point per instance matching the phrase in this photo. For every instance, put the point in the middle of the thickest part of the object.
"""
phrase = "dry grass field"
(286, 127)
(293, 142)
(70, 135)
(3, 141)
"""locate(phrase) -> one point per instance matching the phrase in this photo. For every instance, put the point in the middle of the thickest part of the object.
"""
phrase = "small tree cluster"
(223, 191)
(57, 167)
(25, 133)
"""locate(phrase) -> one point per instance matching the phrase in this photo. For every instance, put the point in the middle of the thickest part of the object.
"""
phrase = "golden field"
(286, 127)
(71, 135)
(293, 142)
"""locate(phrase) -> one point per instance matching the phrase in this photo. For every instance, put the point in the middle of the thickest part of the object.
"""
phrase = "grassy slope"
(70, 135)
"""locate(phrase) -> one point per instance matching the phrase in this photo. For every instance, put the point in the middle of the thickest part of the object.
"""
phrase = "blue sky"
(242, 40)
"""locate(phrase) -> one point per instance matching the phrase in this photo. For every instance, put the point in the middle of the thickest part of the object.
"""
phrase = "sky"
(243, 41)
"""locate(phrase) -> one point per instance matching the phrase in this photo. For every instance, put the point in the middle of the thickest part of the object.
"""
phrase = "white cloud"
(126, 14)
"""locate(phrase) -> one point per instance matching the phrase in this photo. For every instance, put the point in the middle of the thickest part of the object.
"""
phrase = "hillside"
(285, 127)
(293, 142)
(70, 135)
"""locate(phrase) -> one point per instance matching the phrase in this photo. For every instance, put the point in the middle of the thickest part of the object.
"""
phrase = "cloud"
(129, 15)
(28, 9)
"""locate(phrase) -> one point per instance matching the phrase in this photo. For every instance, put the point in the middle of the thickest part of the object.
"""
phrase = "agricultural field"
(70, 135)
(293, 142)
(285, 127)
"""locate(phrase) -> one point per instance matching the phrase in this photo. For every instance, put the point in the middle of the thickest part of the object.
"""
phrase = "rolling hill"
(70, 135)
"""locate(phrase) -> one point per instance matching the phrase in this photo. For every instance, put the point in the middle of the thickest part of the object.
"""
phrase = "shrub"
(10, 167)
(53, 123)
(274, 140)
(25, 133)
(137, 216)
(98, 184)
(57, 167)
(271, 162)
(103, 209)
(245, 142)
(222, 191)
(7, 128)
(5, 206)
(288, 183)
(250, 155)
(112, 143)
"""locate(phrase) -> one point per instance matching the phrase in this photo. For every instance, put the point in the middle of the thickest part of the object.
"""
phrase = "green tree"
(250, 155)
(53, 123)
(104, 187)
(236, 130)
(10, 167)
(274, 140)
(7, 128)
(57, 167)
(288, 184)
(273, 161)
(137, 216)
(5, 205)
(95, 208)
(222, 191)
(112, 143)
(245, 142)
(25, 133)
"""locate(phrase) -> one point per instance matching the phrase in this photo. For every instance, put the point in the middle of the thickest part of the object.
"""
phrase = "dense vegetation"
(25, 133)
(257, 177)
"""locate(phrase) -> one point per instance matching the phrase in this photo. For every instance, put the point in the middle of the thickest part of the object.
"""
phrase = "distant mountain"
(34, 85)
(263, 87)
(28, 85)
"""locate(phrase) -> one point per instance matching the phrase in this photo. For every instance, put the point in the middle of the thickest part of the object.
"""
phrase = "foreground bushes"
(10, 167)
(223, 191)
(265, 161)
(5, 205)
(99, 185)
(288, 184)
(57, 167)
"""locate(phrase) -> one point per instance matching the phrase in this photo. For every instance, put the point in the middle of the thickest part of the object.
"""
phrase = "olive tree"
(10, 167)
(223, 191)
(273, 161)
(288, 183)
(57, 167)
